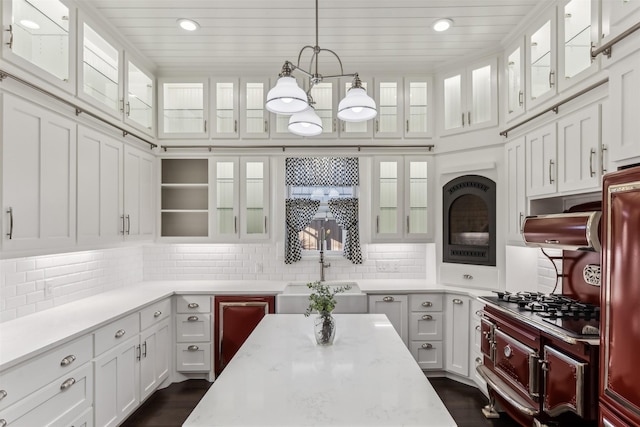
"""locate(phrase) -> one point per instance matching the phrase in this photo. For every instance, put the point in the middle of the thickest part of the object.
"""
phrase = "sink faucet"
(323, 264)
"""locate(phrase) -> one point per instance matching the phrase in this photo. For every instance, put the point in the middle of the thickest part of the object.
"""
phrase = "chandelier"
(287, 98)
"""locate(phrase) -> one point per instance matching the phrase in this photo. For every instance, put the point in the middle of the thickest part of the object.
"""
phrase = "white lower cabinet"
(193, 333)
(396, 309)
(475, 341)
(425, 330)
(457, 334)
(154, 357)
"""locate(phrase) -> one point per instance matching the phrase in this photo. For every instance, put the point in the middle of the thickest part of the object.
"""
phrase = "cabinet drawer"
(425, 326)
(425, 302)
(194, 357)
(469, 276)
(115, 333)
(428, 354)
(153, 314)
(20, 380)
(57, 404)
(193, 304)
(193, 327)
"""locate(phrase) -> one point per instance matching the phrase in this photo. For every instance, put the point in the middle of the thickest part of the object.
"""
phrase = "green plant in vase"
(322, 300)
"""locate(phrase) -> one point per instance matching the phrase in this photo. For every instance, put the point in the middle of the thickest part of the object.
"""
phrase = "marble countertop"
(281, 377)
(49, 328)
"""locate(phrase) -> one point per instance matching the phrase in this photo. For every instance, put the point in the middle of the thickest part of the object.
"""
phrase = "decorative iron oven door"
(564, 381)
(517, 364)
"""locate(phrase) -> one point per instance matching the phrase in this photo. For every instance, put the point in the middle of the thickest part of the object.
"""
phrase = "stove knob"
(507, 351)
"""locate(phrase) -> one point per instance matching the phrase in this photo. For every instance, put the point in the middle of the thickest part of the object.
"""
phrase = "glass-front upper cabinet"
(514, 71)
(417, 103)
(254, 117)
(241, 198)
(225, 106)
(470, 98)
(541, 61)
(355, 129)
(389, 100)
(112, 81)
(324, 95)
(37, 33)
(183, 108)
(578, 29)
(400, 198)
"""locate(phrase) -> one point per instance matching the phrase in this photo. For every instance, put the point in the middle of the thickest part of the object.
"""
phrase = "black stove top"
(566, 313)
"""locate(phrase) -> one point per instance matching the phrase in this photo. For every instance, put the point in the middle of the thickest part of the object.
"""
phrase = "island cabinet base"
(235, 318)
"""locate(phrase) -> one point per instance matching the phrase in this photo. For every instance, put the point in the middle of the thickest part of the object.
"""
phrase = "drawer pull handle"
(479, 313)
(3, 394)
(157, 313)
(3, 422)
(68, 360)
(427, 346)
(120, 333)
(478, 361)
(193, 348)
(427, 304)
(477, 327)
(427, 317)
(457, 301)
(193, 305)
(467, 277)
(388, 299)
(192, 318)
(68, 383)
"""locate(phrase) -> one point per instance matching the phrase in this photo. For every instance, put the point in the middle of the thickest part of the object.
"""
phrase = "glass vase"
(325, 329)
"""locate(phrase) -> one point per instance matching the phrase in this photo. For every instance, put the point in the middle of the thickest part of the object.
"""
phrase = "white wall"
(527, 269)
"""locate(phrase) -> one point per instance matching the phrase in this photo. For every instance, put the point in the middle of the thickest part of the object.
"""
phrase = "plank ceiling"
(252, 37)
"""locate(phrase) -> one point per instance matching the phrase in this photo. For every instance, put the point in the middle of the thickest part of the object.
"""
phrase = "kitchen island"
(281, 377)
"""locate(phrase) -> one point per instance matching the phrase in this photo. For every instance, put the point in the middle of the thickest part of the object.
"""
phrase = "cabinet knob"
(192, 318)
(120, 333)
(193, 305)
(68, 383)
(3, 422)
(3, 394)
(457, 301)
(193, 348)
(427, 304)
(68, 360)
(427, 317)
(467, 277)
(427, 346)
(388, 299)
(157, 313)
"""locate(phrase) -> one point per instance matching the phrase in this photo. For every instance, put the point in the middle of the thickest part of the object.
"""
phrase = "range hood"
(570, 231)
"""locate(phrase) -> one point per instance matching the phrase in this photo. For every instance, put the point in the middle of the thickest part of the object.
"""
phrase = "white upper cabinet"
(541, 60)
(225, 107)
(418, 101)
(325, 96)
(38, 37)
(356, 129)
(389, 101)
(618, 16)
(624, 87)
(516, 189)
(184, 108)
(112, 81)
(254, 118)
(470, 98)
(542, 167)
(578, 29)
(515, 78)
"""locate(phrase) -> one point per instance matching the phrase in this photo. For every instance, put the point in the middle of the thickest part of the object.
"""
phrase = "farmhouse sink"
(295, 298)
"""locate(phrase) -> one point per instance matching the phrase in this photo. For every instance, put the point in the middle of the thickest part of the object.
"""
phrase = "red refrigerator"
(620, 300)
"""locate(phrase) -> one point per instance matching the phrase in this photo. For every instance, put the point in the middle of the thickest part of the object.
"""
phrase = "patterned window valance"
(299, 213)
(311, 171)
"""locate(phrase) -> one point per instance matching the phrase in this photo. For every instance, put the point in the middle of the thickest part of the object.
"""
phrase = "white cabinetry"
(325, 96)
(193, 333)
(401, 198)
(541, 161)
(516, 187)
(155, 346)
(515, 75)
(184, 108)
(457, 334)
(396, 309)
(541, 59)
(389, 100)
(356, 129)
(241, 198)
(225, 107)
(254, 117)
(138, 194)
(624, 87)
(425, 330)
(418, 101)
(476, 337)
(38, 177)
(470, 98)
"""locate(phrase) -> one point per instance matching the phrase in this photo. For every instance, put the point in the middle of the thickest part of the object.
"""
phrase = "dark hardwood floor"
(171, 406)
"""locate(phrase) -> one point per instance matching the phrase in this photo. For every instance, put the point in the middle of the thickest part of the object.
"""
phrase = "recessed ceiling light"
(188, 24)
(442, 24)
(29, 24)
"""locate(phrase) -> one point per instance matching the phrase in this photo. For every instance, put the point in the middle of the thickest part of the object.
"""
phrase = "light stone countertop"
(281, 377)
(28, 336)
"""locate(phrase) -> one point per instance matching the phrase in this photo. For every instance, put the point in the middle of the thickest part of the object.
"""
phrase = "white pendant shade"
(286, 97)
(305, 123)
(357, 106)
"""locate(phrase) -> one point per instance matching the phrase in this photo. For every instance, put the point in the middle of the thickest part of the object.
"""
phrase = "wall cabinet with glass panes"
(515, 76)
(254, 117)
(184, 107)
(401, 197)
(389, 100)
(240, 198)
(184, 198)
(418, 97)
(38, 37)
(110, 79)
(470, 98)
(355, 129)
